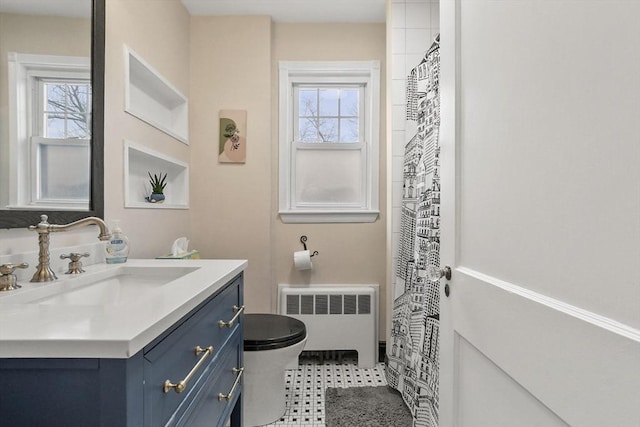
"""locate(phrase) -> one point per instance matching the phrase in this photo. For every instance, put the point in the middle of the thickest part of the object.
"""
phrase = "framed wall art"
(233, 136)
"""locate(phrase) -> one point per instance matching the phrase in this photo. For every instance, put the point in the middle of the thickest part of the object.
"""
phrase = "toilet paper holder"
(303, 240)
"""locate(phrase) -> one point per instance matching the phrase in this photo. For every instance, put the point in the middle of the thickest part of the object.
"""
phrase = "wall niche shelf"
(151, 98)
(138, 160)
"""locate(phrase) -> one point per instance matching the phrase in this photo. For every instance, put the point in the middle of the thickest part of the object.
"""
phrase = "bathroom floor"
(305, 386)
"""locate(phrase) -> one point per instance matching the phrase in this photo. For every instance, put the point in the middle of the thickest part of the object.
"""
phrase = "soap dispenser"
(117, 249)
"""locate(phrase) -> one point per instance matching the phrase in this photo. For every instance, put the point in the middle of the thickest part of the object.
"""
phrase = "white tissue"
(180, 246)
(302, 260)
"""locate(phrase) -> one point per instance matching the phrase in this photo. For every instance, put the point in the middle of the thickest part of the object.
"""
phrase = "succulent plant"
(157, 182)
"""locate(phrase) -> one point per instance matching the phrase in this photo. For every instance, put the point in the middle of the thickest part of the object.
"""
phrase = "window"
(51, 132)
(60, 141)
(328, 114)
(329, 126)
(64, 108)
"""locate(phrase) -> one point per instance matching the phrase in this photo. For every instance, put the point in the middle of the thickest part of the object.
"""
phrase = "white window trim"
(21, 174)
(293, 72)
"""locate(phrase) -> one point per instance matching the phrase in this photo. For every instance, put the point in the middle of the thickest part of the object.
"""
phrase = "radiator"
(336, 317)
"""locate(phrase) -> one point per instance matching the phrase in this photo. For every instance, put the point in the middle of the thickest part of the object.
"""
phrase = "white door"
(540, 165)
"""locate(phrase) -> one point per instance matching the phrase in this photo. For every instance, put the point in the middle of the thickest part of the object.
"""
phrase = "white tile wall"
(416, 40)
(413, 58)
(398, 67)
(397, 163)
(398, 42)
(398, 114)
(415, 23)
(435, 16)
(398, 148)
(396, 217)
(396, 198)
(417, 14)
(398, 15)
(398, 89)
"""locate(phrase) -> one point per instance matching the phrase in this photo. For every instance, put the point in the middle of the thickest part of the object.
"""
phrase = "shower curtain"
(412, 366)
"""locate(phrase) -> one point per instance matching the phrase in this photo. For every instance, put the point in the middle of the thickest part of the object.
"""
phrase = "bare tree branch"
(70, 102)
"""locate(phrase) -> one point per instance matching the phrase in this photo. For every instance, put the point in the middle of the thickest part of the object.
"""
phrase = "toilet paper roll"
(302, 260)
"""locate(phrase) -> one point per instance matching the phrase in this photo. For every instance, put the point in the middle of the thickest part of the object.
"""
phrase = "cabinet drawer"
(208, 408)
(174, 356)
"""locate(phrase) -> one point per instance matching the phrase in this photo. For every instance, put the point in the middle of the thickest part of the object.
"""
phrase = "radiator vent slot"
(335, 304)
(322, 304)
(350, 304)
(306, 304)
(364, 304)
(293, 304)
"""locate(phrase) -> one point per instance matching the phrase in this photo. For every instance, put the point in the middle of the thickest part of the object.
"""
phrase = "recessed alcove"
(153, 99)
(138, 162)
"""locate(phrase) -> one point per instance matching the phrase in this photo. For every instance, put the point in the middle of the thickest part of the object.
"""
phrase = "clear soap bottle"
(117, 249)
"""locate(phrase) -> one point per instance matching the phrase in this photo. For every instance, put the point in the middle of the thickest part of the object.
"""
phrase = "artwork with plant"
(157, 182)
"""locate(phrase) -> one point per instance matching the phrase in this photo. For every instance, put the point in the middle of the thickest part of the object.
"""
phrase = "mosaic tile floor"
(305, 386)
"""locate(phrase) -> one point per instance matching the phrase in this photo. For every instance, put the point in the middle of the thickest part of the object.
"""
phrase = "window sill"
(48, 207)
(319, 217)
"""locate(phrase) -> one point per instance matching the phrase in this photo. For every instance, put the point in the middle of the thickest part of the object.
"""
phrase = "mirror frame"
(16, 218)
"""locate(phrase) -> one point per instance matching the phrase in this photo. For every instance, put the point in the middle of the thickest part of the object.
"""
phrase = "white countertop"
(115, 330)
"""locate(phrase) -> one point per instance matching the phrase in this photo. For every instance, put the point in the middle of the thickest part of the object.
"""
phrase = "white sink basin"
(111, 287)
(111, 311)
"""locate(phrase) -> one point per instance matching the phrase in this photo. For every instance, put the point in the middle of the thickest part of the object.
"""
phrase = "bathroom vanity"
(142, 344)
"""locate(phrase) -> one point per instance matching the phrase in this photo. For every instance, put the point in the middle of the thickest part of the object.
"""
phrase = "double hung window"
(329, 125)
(51, 132)
(60, 140)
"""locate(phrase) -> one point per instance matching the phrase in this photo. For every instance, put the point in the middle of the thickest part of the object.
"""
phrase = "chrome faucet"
(43, 270)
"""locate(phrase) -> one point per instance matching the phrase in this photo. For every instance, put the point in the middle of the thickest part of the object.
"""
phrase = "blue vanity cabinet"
(172, 357)
(132, 392)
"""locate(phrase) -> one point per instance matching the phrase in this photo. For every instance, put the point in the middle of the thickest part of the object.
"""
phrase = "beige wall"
(231, 203)
(349, 253)
(158, 31)
(234, 207)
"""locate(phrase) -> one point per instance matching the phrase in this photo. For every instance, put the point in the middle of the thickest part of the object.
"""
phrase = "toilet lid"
(271, 331)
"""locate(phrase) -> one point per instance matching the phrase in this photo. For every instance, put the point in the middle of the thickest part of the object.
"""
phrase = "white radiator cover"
(337, 317)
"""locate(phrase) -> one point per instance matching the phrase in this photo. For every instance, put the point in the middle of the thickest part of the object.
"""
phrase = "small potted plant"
(157, 188)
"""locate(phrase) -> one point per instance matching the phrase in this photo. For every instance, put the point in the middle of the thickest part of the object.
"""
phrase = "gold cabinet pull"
(230, 323)
(238, 372)
(182, 385)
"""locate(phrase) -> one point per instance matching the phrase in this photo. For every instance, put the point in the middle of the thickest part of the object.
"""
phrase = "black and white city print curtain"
(412, 366)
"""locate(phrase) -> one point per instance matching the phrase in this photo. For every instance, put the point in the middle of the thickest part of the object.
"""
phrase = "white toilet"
(272, 344)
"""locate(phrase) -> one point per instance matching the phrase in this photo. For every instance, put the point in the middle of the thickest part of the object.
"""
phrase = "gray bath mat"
(366, 407)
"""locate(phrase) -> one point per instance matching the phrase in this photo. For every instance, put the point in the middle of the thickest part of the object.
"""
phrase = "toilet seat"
(271, 331)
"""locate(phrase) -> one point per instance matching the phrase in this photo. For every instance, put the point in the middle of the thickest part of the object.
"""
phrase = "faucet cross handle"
(10, 268)
(74, 256)
(75, 266)
(8, 280)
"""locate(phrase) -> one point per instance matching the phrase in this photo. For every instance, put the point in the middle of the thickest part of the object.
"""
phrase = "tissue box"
(187, 255)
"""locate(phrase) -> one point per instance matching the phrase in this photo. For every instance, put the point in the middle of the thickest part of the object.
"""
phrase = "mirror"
(17, 217)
